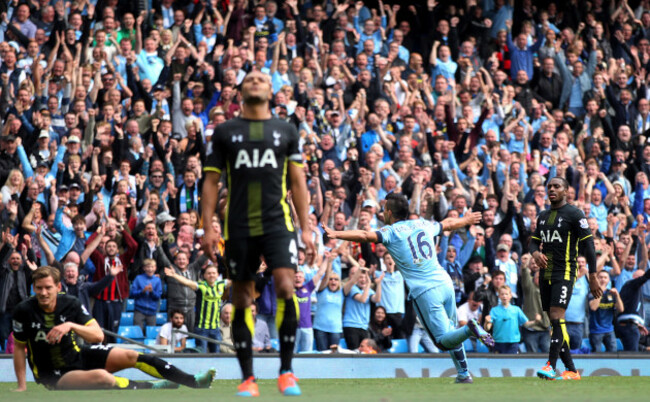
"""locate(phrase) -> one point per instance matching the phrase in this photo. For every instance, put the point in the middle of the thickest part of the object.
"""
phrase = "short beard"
(255, 100)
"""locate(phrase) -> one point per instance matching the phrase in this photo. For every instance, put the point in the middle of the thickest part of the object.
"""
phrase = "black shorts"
(555, 293)
(92, 358)
(280, 250)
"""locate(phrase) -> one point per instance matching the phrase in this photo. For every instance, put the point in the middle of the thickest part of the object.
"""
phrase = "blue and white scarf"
(195, 199)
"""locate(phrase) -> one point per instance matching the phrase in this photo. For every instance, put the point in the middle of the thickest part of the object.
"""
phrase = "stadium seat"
(275, 343)
(481, 348)
(399, 346)
(190, 343)
(161, 318)
(522, 348)
(163, 305)
(131, 332)
(152, 332)
(130, 305)
(469, 346)
(126, 319)
(421, 349)
(343, 344)
(586, 343)
(619, 345)
(150, 342)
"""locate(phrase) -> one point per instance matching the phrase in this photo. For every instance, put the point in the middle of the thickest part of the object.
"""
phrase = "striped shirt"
(208, 302)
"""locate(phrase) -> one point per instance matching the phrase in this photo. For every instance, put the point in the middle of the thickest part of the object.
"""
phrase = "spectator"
(601, 316)
(303, 291)
(225, 328)
(576, 312)
(209, 293)
(328, 321)
(392, 296)
(630, 325)
(15, 275)
(505, 320)
(262, 340)
(537, 337)
(167, 336)
(146, 290)
(380, 331)
(179, 296)
(357, 312)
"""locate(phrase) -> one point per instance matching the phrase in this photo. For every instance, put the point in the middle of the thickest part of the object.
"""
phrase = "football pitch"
(385, 390)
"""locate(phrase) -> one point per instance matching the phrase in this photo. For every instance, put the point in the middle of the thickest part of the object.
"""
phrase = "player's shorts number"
(293, 250)
(563, 294)
(423, 247)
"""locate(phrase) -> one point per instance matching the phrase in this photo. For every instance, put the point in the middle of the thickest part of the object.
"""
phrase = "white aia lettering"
(547, 237)
(268, 158)
(40, 336)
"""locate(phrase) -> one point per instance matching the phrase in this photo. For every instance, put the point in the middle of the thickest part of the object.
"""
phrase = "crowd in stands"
(108, 108)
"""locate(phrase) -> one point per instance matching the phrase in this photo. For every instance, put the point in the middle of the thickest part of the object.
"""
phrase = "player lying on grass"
(410, 243)
(46, 329)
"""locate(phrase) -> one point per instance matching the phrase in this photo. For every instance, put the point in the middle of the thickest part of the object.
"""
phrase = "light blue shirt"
(575, 99)
(575, 312)
(446, 69)
(150, 66)
(392, 292)
(512, 276)
(623, 277)
(328, 316)
(357, 314)
(600, 213)
(506, 323)
(411, 245)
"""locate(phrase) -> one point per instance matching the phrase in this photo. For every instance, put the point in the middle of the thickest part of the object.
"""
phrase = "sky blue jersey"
(411, 244)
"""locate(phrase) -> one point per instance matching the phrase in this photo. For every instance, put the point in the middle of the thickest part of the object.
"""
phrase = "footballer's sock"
(557, 339)
(286, 321)
(243, 331)
(159, 368)
(565, 351)
(125, 383)
(452, 339)
(460, 360)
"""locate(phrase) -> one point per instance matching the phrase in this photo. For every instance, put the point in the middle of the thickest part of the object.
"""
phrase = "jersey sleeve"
(386, 235)
(522, 317)
(436, 228)
(216, 155)
(293, 148)
(581, 225)
(354, 291)
(81, 314)
(19, 324)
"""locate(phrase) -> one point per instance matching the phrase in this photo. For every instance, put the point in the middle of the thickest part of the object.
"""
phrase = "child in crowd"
(505, 320)
(146, 290)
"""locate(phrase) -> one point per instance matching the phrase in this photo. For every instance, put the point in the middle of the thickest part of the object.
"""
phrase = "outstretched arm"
(361, 236)
(470, 218)
(181, 279)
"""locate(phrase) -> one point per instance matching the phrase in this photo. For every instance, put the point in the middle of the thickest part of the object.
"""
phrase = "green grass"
(385, 390)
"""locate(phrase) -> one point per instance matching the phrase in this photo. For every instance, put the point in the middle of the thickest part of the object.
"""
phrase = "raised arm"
(470, 218)
(360, 236)
(170, 273)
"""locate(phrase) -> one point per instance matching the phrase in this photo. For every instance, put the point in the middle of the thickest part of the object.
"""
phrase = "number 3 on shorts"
(563, 295)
